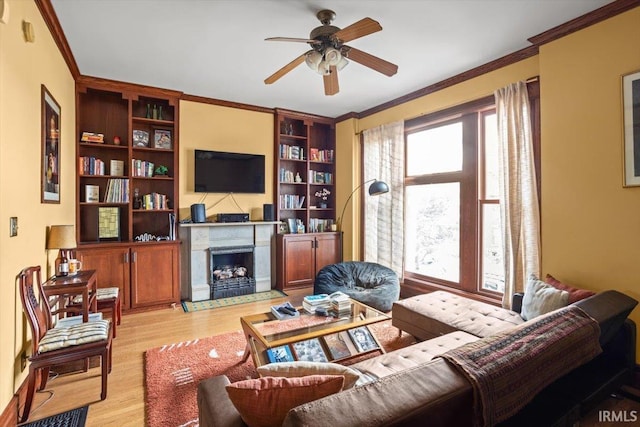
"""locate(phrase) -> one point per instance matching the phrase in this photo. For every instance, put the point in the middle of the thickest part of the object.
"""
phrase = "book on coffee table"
(339, 345)
(310, 351)
(363, 339)
(280, 354)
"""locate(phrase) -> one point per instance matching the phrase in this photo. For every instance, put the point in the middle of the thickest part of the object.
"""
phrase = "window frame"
(473, 187)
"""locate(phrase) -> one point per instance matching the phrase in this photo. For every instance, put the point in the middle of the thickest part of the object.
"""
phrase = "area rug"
(73, 418)
(173, 371)
(189, 306)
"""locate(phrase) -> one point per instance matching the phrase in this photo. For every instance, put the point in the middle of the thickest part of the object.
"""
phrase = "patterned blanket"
(508, 369)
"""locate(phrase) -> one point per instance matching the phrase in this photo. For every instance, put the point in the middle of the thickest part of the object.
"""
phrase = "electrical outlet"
(13, 226)
(23, 361)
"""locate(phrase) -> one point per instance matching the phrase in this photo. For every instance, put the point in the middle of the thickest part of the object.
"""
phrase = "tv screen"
(221, 172)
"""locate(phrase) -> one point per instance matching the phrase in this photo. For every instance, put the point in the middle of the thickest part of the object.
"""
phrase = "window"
(453, 237)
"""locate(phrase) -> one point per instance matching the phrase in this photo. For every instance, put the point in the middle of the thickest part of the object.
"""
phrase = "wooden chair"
(107, 299)
(60, 345)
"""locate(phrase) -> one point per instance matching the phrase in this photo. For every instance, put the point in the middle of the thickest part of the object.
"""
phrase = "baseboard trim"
(9, 416)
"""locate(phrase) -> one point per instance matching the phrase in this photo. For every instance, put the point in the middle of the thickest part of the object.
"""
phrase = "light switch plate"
(13, 226)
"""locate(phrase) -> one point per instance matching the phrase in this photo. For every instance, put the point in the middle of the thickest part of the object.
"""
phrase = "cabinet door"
(112, 268)
(299, 259)
(327, 249)
(154, 275)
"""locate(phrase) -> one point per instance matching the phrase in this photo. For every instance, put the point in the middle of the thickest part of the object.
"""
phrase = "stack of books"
(311, 303)
(340, 305)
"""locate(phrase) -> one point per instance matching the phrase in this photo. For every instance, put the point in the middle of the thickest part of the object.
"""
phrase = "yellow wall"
(590, 223)
(212, 127)
(23, 68)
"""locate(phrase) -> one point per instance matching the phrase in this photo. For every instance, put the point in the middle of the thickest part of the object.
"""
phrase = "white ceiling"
(216, 48)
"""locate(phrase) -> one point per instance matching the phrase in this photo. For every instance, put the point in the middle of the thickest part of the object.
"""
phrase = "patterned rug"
(73, 418)
(189, 306)
(173, 371)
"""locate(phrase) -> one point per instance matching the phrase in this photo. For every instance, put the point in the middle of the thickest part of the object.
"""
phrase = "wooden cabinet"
(147, 274)
(127, 188)
(301, 256)
(154, 275)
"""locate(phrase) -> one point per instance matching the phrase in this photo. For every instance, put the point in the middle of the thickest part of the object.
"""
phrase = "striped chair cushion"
(83, 333)
(101, 294)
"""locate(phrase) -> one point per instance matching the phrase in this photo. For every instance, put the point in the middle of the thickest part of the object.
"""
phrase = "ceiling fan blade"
(291, 39)
(373, 62)
(362, 28)
(331, 86)
(284, 70)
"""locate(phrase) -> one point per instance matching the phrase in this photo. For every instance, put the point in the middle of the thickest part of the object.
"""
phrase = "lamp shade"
(378, 187)
(61, 237)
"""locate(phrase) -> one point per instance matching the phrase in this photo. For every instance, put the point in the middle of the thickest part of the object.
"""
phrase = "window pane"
(435, 150)
(491, 160)
(492, 254)
(432, 238)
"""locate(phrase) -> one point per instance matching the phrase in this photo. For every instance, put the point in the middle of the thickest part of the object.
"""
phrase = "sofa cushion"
(303, 368)
(411, 356)
(540, 298)
(575, 294)
(264, 402)
(437, 313)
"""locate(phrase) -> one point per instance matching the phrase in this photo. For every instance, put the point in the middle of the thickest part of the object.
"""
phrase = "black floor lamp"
(375, 189)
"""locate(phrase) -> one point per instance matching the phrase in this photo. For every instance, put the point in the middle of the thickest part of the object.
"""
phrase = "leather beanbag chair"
(372, 284)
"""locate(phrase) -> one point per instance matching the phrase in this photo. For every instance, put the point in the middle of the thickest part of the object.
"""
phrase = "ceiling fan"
(329, 54)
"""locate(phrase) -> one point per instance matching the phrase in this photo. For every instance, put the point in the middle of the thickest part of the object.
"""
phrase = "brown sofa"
(410, 386)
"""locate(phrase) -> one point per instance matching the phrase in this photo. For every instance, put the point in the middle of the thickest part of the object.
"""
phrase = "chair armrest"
(214, 406)
(516, 302)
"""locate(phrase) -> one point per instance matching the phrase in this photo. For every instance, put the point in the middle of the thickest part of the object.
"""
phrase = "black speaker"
(198, 213)
(267, 212)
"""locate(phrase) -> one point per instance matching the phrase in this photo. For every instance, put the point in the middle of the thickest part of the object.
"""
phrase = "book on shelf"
(310, 351)
(362, 339)
(340, 345)
(116, 168)
(91, 193)
(88, 165)
(92, 137)
(280, 354)
(284, 311)
(117, 191)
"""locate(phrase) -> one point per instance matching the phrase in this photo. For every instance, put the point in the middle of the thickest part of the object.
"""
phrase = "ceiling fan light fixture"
(342, 63)
(332, 56)
(313, 59)
(324, 68)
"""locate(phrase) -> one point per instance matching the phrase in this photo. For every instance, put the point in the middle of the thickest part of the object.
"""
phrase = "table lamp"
(61, 237)
(375, 189)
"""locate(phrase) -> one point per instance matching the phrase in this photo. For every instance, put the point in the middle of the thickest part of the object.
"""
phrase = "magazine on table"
(363, 339)
(340, 345)
(310, 351)
(280, 354)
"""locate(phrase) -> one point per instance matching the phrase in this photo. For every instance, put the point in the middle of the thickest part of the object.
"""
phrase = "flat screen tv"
(223, 172)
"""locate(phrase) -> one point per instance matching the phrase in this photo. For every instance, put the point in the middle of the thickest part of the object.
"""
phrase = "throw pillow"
(540, 298)
(575, 294)
(264, 402)
(302, 369)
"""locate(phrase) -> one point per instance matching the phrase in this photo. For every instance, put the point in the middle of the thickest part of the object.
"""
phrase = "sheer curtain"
(383, 152)
(520, 213)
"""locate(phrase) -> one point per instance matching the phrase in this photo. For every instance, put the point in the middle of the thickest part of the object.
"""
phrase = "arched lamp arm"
(347, 202)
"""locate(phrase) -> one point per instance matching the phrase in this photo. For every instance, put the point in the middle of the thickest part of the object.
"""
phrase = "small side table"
(62, 290)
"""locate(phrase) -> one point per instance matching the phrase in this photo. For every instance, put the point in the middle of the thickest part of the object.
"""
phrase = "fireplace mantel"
(198, 238)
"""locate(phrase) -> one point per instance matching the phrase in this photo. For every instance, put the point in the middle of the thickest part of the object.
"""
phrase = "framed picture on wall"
(631, 113)
(50, 161)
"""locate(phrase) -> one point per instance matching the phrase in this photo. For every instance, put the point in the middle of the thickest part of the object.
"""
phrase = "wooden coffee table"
(339, 338)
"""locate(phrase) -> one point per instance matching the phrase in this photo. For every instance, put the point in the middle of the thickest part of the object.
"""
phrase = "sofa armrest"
(610, 309)
(214, 406)
(516, 302)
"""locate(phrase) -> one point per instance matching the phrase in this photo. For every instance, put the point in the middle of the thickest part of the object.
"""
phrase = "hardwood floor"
(139, 332)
